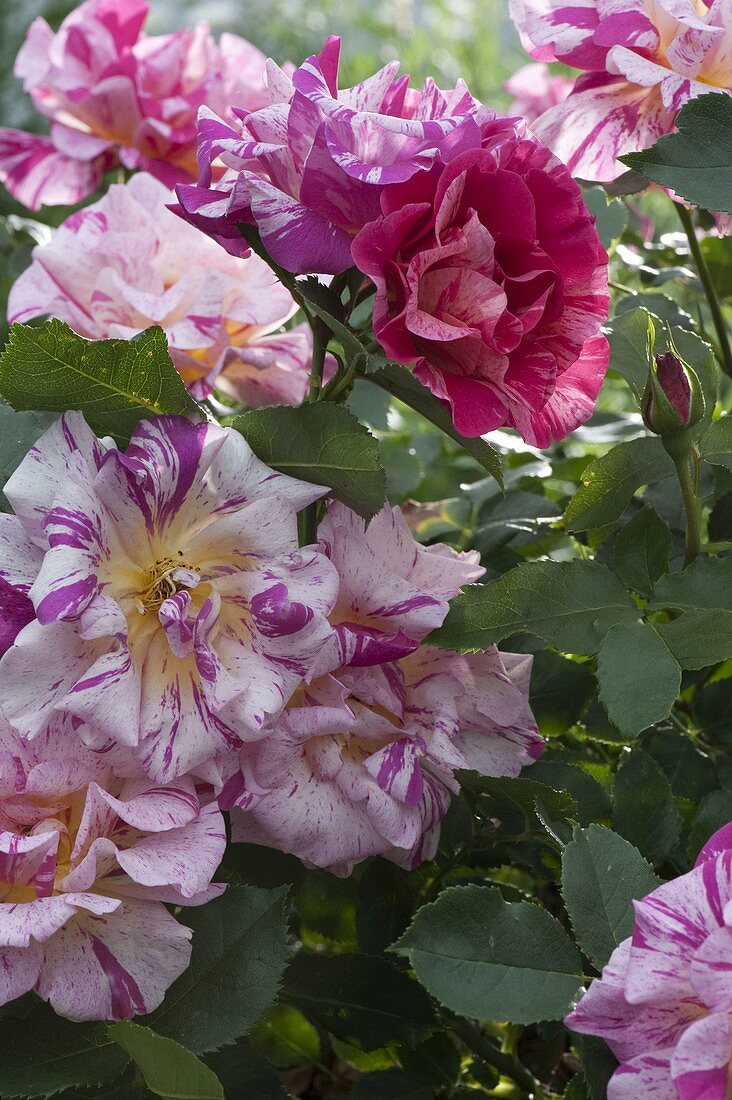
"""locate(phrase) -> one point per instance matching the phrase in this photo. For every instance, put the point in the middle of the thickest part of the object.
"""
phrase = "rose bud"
(673, 400)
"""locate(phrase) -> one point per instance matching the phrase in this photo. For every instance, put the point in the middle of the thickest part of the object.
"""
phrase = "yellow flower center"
(162, 580)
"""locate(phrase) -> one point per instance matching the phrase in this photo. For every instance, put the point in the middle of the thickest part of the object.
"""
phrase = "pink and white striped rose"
(362, 761)
(87, 862)
(125, 263)
(175, 614)
(114, 95)
(642, 60)
(392, 591)
(664, 1001)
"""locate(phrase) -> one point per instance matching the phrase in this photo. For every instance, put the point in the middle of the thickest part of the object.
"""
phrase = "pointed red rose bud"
(673, 401)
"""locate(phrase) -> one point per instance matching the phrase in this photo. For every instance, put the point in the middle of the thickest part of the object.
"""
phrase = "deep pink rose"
(491, 280)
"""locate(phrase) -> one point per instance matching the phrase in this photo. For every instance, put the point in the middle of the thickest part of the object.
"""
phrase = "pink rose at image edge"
(664, 1001)
(126, 262)
(113, 95)
(641, 63)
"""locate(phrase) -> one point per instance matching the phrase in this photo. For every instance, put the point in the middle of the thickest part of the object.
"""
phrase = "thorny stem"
(503, 1062)
(709, 288)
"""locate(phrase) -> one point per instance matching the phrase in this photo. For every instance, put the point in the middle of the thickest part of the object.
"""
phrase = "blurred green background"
(442, 38)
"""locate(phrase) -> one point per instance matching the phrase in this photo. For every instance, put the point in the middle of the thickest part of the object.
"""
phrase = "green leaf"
(385, 905)
(611, 215)
(321, 443)
(286, 1038)
(610, 482)
(517, 803)
(638, 677)
(698, 638)
(169, 1069)
(245, 1075)
(645, 812)
(628, 335)
(688, 769)
(660, 305)
(436, 1060)
(695, 160)
(44, 1053)
(560, 691)
(400, 383)
(364, 999)
(571, 605)
(239, 954)
(598, 1064)
(115, 383)
(602, 874)
(517, 513)
(493, 960)
(642, 550)
(713, 711)
(715, 445)
(715, 810)
(590, 796)
(704, 585)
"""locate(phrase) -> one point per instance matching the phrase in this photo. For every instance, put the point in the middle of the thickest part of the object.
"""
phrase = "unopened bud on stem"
(673, 401)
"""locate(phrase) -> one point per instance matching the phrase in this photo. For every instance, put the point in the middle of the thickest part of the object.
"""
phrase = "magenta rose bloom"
(491, 280)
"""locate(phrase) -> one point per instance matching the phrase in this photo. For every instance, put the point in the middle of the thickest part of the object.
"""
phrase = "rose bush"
(366, 566)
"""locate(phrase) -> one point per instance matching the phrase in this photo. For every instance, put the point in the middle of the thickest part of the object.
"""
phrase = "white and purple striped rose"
(363, 762)
(664, 1001)
(392, 591)
(87, 862)
(175, 613)
(308, 169)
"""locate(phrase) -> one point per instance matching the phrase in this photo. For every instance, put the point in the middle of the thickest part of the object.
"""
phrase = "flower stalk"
(715, 308)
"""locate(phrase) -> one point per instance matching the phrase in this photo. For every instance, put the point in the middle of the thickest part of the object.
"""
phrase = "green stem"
(708, 283)
(716, 547)
(321, 338)
(487, 1052)
(308, 519)
(692, 507)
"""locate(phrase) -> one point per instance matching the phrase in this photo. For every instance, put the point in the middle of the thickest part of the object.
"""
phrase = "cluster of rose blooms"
(170, 651)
